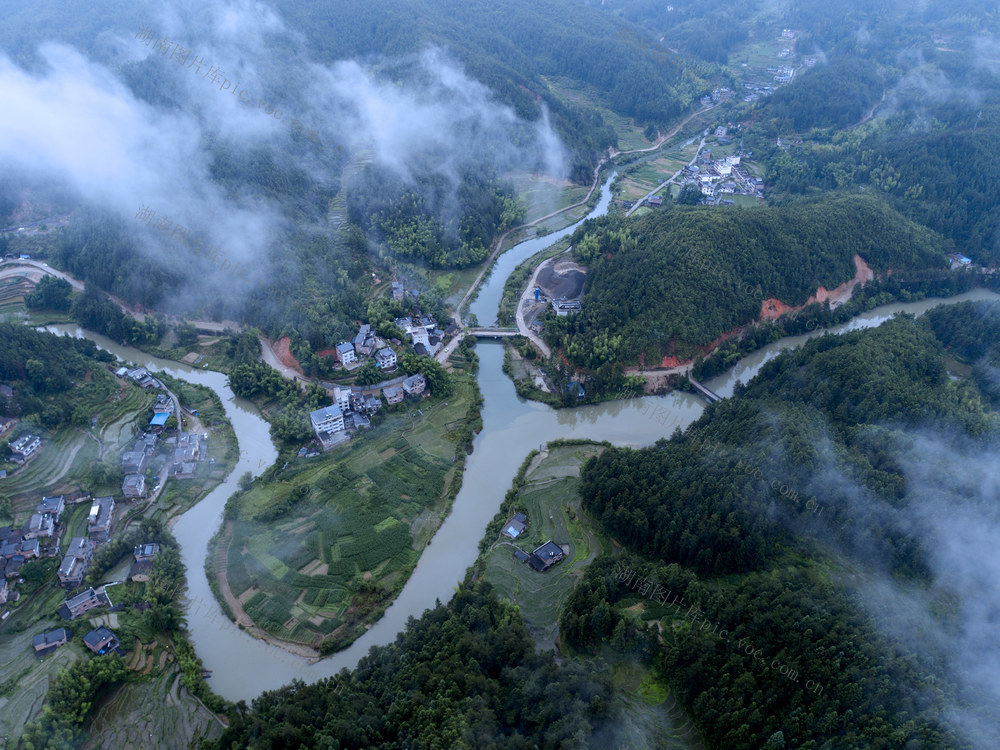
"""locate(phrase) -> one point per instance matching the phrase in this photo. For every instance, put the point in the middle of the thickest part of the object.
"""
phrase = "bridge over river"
(492, 333)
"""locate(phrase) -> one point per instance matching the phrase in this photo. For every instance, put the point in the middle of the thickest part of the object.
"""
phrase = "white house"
(345, 353)
(342, 397)
(328, 419)
(385, 359)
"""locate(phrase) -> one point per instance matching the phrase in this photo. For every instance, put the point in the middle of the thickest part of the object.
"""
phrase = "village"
(352, 406)
(160, 450)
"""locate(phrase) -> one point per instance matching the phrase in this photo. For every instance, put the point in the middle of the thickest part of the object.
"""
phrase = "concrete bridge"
(492, 333)
(709, 395)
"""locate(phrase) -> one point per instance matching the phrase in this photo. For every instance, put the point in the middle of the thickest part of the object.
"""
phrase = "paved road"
(499, 246)
(673, 177)
(519, 315)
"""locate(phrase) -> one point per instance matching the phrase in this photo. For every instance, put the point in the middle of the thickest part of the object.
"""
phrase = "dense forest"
(53, 377)
(802, 471)
(932, 153)
(463, 675)
(420, 225)
(834, 95)
(679, 278)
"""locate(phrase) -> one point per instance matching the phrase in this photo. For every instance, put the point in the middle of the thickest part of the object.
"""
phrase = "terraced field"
(25, 678)
(159, 712)
(69, 453)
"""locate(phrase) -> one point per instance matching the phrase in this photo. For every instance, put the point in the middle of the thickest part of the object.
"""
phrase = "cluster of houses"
(100, 640)
(541, 558)
(717, 178)
(352, 407)
(423, 333)
(186, 450)
(41, 538)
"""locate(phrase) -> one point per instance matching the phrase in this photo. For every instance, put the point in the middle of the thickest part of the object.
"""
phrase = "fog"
(143, 126)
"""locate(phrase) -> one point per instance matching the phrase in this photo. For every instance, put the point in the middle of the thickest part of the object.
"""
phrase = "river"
(243, 666)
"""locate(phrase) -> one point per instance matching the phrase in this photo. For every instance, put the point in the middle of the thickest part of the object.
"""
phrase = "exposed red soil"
(283, 352)
(772, 309)
(326, 352)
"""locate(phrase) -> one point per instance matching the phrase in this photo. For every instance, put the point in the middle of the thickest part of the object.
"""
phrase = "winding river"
(243, 666)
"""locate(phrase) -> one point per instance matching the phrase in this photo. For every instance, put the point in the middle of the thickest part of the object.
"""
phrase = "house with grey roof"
(134, 486)
(326, 423)
(54, 505)
(102, 640)
(393, 394)
(43, 643)
(146, 551)
(346, 354)
(75, 562)
(414, 385)
(40, 525)
(385, 359)
(82, 603)
(102, 511)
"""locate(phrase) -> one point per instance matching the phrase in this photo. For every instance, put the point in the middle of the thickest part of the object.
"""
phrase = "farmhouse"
(40, 525)
(99, 520)
(54, 505)
(74, 564)
(134, 485)
(364, 342)
(385, 359)
(82, 603)
(393, 394)
(134, 462)
(546, 556)
(102, 641)
(327, 422)
(145, 551)
(516, 527)
(414, 385)
(23, 448)
(345, 354)
(45, 642)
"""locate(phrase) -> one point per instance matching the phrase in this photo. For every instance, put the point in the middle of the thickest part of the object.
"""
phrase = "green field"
(542, 195)
(549, 496)
(630, 137)
(319, 547)
(550, 499)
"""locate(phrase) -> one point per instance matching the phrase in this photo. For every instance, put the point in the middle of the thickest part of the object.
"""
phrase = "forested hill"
(834, 95)
(463, 675)
(750, 515)
(680, 277)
